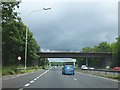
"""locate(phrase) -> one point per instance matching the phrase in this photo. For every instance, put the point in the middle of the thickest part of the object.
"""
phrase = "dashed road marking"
(75, 79)
(31, 81)
(37, 77)
(26, 85)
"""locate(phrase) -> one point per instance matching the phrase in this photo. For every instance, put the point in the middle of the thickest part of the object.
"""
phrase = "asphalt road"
(53, 78)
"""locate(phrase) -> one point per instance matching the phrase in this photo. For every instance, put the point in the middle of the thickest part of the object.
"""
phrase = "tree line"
(13, 38)
(113, 48)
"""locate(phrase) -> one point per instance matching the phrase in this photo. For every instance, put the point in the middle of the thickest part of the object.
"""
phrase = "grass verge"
(11, 70)
(116, 77)
(109, 76)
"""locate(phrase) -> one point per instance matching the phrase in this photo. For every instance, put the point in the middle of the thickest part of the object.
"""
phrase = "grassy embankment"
(117, 77)
(11, 70)
(109, 76)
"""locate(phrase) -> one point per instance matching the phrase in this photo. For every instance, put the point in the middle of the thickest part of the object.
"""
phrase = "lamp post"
(26, 38)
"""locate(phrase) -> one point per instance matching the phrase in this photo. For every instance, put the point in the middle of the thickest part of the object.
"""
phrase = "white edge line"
(98, 76)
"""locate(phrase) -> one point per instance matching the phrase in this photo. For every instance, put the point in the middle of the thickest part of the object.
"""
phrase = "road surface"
(53, 78)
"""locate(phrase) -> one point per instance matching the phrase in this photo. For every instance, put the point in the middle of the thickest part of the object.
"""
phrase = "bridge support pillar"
(108, 61)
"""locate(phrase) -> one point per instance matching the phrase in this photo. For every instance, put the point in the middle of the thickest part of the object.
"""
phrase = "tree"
(96, 62)
(103, 47)
(116, 53)
(87, 49)
(14, 31)
(8, 11)
(9, 30)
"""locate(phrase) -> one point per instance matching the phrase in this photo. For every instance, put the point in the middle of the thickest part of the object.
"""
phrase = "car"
(68, 69)
(84, 67)
(116, 68)
(91, 68)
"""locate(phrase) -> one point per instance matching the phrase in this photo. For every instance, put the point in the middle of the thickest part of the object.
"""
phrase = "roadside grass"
(109, 76)
(113, 77)
(11, 70)
(116, 77)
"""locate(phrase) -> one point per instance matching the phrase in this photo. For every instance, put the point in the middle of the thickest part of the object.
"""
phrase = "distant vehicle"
(84, 67)
(116, 68)
(91, 68)
(68, 69)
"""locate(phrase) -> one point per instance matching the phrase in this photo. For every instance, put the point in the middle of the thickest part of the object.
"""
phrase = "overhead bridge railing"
(75, 54)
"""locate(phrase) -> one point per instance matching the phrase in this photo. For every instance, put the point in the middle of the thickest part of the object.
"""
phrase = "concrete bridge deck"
(74, 54)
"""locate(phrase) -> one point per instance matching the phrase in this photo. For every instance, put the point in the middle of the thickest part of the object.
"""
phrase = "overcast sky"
(70, 26)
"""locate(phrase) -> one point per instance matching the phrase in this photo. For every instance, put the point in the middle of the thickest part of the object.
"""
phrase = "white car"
(84, 67)
(91, 68)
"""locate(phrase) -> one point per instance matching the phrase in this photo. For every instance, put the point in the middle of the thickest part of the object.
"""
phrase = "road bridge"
(74, 55)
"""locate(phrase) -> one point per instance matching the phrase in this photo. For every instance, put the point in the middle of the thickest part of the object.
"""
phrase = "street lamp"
(26, 41)
(46, 8)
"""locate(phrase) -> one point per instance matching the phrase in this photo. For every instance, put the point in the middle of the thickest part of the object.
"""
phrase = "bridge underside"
(73, 55)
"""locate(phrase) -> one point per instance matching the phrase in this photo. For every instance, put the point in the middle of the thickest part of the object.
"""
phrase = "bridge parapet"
(74, 54)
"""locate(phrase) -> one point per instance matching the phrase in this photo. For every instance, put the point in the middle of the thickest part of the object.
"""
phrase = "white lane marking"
(98, 77)
(31, 81)
(26, 85)
(75, 79)
(35, 79)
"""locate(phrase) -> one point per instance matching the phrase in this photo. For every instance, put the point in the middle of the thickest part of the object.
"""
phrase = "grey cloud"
(72, 26)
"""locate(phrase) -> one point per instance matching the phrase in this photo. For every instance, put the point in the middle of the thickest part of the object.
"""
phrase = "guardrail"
(101, 71)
